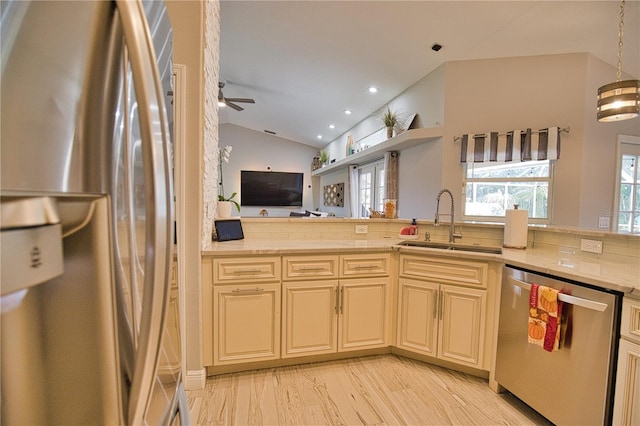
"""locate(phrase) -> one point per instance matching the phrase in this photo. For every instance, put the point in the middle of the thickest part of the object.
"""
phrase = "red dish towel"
(544, 317)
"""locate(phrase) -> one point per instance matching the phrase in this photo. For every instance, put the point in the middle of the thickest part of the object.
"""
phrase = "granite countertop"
(601, 273)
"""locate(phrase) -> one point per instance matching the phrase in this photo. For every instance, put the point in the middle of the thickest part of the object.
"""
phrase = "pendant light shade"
(620, 100)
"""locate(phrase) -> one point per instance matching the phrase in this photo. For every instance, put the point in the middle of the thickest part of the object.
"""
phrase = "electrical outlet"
(591, 246)
(362, 229)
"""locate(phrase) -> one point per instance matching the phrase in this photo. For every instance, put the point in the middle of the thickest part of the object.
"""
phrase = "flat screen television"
(270, 189)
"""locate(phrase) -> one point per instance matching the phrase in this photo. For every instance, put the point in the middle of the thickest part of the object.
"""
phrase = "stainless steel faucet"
(452, 234)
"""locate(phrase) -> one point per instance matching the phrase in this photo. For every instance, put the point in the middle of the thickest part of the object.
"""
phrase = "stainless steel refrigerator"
(89, 315)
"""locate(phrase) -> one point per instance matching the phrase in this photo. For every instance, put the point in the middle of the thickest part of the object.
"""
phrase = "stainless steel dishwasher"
(570, 386)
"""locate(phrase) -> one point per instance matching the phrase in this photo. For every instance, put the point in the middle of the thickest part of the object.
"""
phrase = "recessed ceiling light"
(331, 126)
(373, 89)
(347, 111)
(319, 136)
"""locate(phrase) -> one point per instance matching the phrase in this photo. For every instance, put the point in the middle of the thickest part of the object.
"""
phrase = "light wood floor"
(375, 390)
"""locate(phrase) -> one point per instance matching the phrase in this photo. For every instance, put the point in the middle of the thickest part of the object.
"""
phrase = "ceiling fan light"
(619, 101)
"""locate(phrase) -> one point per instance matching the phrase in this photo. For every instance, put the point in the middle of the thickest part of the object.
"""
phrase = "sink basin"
(447, 246)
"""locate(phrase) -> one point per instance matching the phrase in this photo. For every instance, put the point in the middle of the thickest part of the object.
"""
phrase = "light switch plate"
(603, 222)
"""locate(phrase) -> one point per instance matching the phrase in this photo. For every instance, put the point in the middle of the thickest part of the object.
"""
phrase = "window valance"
(515, 145)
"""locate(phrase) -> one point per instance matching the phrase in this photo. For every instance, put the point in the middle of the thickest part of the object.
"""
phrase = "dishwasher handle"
(563, 297)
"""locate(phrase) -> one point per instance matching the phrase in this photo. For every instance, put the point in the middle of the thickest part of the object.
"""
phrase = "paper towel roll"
(515, 228)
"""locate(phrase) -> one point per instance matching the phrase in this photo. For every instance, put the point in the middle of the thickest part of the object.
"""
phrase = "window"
(370, 187)
(628, 186)
(491, 188)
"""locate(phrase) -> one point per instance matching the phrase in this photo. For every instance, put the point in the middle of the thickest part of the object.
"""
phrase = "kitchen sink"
(448, 246)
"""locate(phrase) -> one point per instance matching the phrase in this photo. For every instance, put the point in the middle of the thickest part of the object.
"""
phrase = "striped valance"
(515, 145)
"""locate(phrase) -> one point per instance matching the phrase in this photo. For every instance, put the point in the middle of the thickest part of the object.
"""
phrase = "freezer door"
(57, 98)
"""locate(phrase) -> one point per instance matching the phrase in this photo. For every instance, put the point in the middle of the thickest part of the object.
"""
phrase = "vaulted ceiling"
(305, 62)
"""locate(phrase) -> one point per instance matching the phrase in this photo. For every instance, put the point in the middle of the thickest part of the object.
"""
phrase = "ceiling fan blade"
(245, 100)
(232, 105)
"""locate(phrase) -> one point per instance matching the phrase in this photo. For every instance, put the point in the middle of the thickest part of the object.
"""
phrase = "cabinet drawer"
(371, 265)
(296, 267)
(239, 269)
(443, 270)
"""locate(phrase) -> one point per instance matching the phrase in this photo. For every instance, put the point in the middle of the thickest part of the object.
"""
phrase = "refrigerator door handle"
(154, 135)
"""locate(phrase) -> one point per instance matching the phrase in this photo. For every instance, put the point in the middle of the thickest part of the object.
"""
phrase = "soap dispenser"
(414, 227)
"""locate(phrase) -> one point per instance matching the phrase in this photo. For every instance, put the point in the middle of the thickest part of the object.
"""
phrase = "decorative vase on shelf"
(224, 209)
(389, 132)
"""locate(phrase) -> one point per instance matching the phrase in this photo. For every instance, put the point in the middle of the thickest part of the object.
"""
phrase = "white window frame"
(377, 188)
(500, 219)
(620, 151)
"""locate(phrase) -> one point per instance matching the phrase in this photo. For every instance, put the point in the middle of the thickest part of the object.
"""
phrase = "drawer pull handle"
(247, 290)
(365, 267)
(247, 271)
(313, 268)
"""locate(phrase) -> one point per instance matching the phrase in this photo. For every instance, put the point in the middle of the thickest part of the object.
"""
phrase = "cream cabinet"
(418, 316)
(242, 297)
(626, 409)
(324, 312)
(246, 324)
(442, 308)
(364, 312)
(310, 319)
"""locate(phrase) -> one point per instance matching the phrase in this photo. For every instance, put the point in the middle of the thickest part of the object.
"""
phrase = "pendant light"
(620, 100)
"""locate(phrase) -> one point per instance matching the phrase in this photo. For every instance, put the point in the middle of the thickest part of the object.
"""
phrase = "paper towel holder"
(515, 233)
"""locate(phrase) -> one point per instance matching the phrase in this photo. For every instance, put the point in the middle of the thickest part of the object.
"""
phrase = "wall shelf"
(402, 141)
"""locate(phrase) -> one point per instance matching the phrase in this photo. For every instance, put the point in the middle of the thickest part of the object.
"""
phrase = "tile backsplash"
(620, 248)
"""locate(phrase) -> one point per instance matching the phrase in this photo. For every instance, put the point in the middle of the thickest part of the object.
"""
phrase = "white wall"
(501, 95)
(338, 176)
(261, 151)
(425, 98)
(599, 160)
(518, 93)
(419, 180)
(188, 41)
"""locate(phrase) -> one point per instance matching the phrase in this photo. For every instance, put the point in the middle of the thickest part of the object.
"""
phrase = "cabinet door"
(309, 318)
(364, 310)
(462, 324)
(418, 316)
(247, 323)
(626, 408)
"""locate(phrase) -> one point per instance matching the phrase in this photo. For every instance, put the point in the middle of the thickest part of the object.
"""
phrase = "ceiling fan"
(222, 100)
